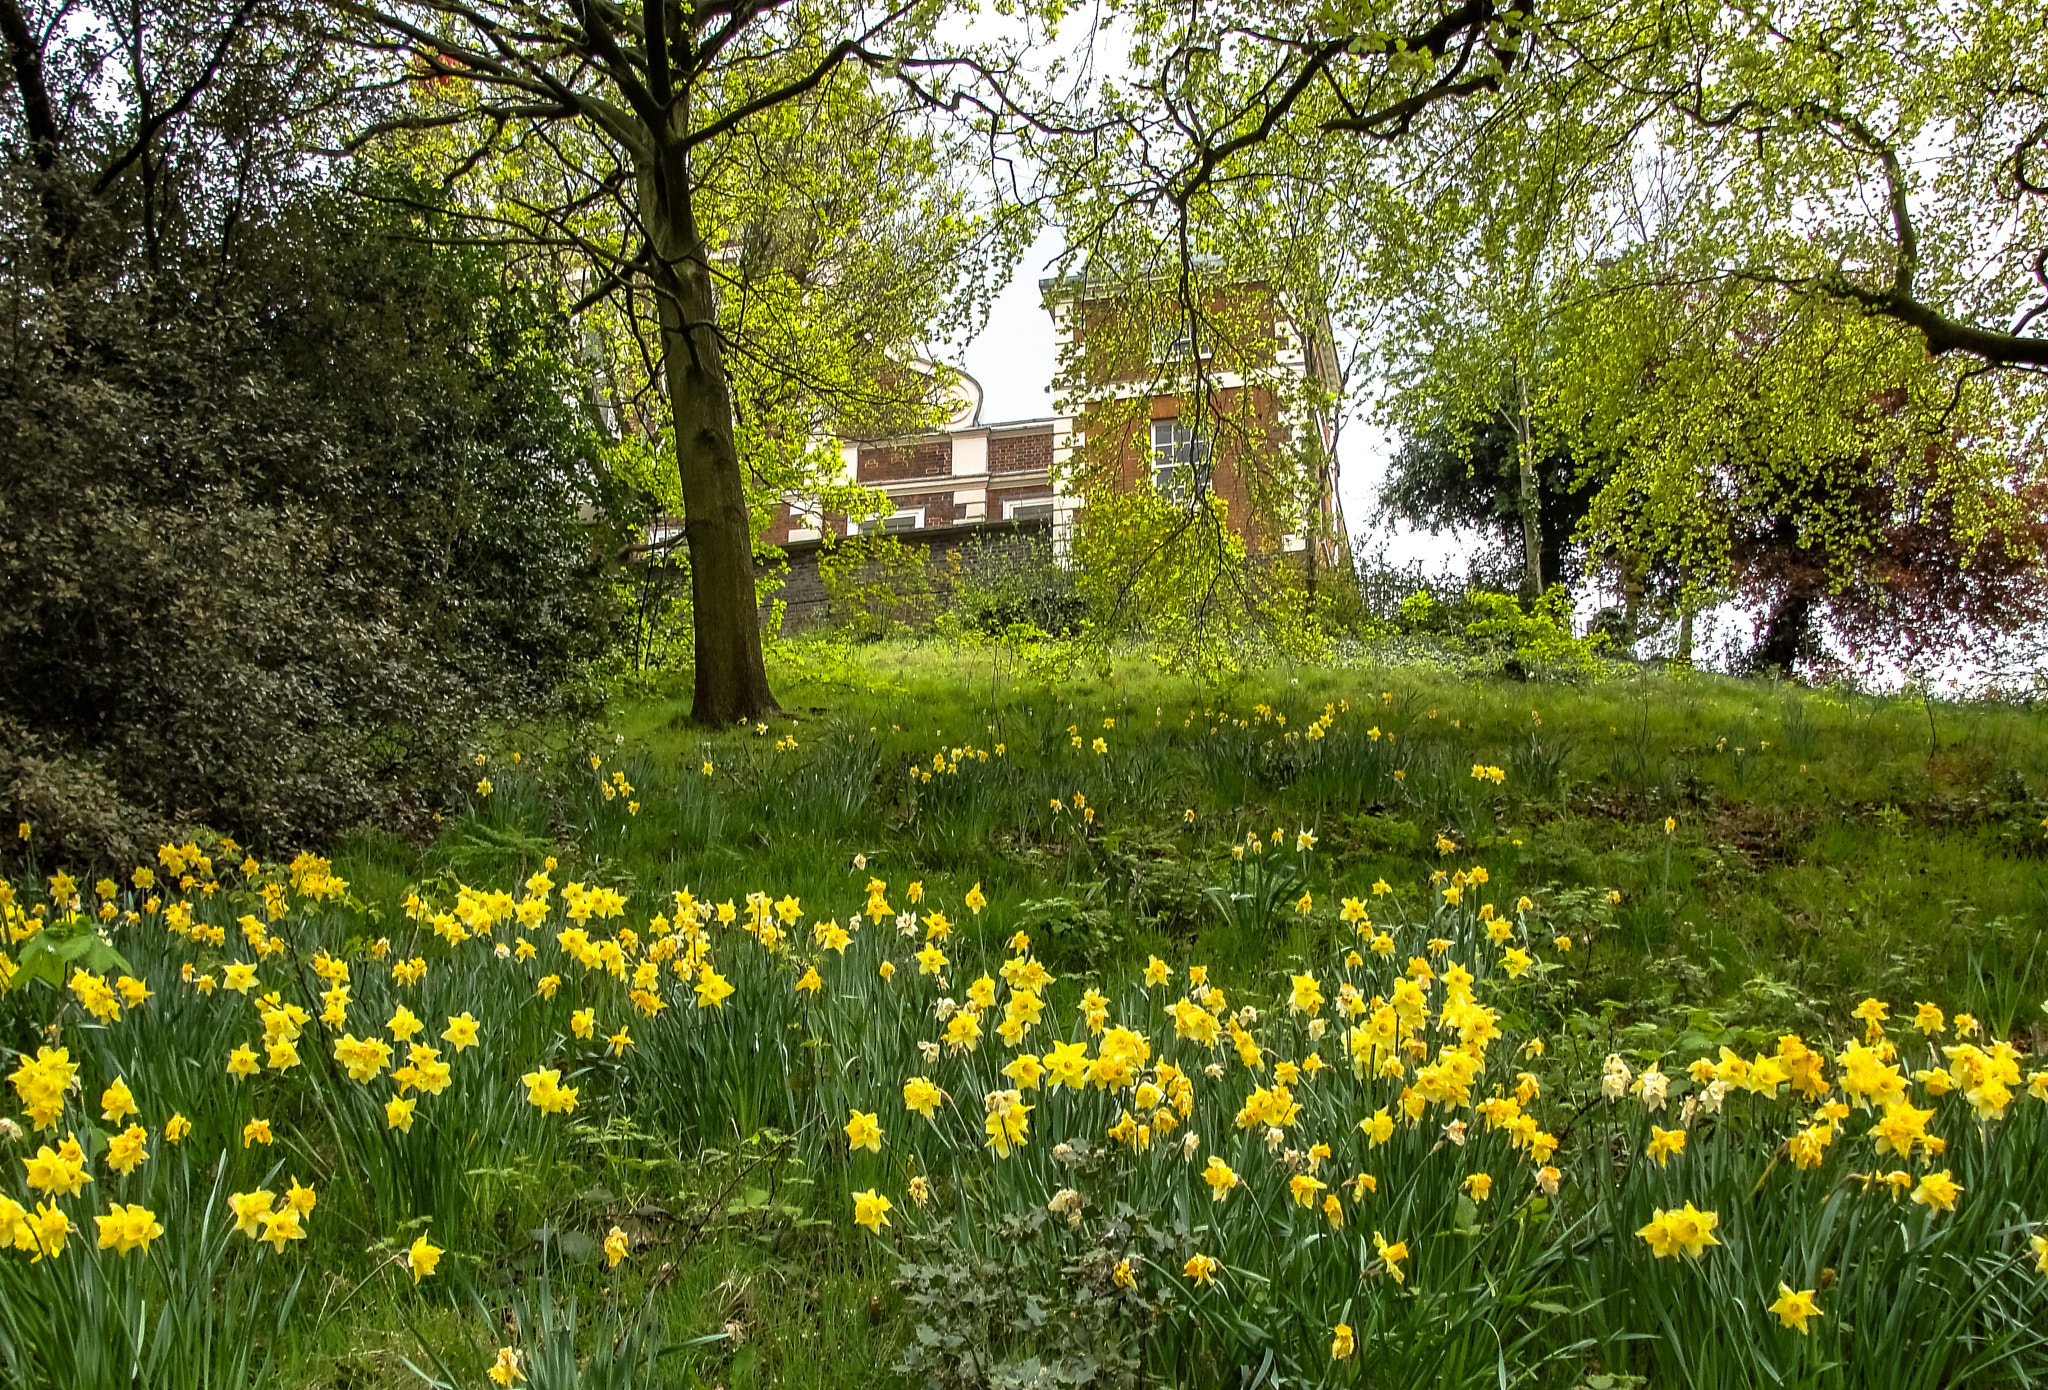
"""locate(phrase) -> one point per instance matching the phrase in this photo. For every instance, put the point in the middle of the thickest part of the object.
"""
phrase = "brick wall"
(887, 463)
(982, 549)
(938, 506)
(1020, 453)
(1120, 447)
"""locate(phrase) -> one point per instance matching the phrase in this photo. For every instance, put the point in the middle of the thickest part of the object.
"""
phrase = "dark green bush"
(281, 522)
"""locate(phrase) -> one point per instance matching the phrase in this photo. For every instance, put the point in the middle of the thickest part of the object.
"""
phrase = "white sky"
(1013, 360)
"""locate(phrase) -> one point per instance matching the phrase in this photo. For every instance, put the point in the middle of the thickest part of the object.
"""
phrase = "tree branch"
(150, 127)
(501, 114)
(25, 56)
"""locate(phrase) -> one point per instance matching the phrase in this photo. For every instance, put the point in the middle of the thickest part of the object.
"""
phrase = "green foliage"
(1015, 583)
(879, 586)
(1000, 590)
(1467, 480)
(1820, 855)
(72, 942)
(278, 542)
(1418, 611)
(548, 1343)
(1541, 636)
(1180, 578)
(199, 1310)
(1026, 1309)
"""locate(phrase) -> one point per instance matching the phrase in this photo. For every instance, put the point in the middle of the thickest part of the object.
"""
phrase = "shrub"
(283, 525)
(1539, 637)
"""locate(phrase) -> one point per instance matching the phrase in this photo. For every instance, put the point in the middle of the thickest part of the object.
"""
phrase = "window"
(911, 520)
(1176, 343)
(1180, 461)
(1027, 508)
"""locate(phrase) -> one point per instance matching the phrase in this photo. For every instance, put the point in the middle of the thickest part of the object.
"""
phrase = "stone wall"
(984, 550)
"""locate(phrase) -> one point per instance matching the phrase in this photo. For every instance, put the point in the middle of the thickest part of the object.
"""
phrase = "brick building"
(964, 474)
(1191, 411)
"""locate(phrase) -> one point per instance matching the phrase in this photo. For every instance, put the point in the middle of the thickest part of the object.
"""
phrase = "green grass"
(1836, 853)
(1840, 852)
(1827, 846)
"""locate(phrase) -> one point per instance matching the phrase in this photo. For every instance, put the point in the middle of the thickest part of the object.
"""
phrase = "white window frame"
(887, 525)
(1181, 467)
(806, 523)
(1176, 343)
(1027, 508)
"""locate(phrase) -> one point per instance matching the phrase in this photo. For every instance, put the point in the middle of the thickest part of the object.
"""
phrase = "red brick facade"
(1017, 453)
(928, 458)
(974, 474)
(937, 476)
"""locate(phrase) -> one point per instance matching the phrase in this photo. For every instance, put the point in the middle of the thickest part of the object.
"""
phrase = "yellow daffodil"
(1687, 1231)
(1794, 1309)
(863, 1132)
(1391, 1255)
(128, 1150)
(280, 1226)
(422, 1257)
(126, 1229)
(1664, 1143)
(1938, 1192)
(545, 1091)
(55, 1172)
(461, 1032)
(871, 1209)
(117, 1102)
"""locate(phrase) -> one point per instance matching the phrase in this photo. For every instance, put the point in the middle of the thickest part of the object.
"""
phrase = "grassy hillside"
(1837, 844)
(1689, 863)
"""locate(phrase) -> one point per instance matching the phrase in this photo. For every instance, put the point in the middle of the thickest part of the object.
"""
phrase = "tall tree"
(115, 119)
(1471, 479)
(1889, 159)
(1812, 461)
(641, 103)
(1210, 164)
(1887, 164)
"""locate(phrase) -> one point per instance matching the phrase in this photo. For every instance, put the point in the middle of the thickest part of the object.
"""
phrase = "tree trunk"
(731, 678)
(1532, 521)
(1788, 633)
(1632, 566)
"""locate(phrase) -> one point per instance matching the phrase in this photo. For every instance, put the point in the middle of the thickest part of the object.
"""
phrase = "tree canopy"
(747, 187)
(1788, 258)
